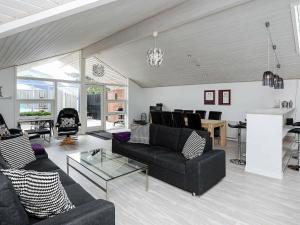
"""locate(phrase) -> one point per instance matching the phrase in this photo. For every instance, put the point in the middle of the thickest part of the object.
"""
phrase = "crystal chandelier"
(155, 56)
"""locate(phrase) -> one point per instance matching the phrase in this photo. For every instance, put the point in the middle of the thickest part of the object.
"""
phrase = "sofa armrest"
(205, 171)
(98, 212)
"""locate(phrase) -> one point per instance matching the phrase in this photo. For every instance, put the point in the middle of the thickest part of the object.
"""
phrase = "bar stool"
(297, 132)
(239, 127)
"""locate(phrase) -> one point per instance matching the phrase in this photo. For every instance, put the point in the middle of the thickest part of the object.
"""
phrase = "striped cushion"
(41, 193)
(17, 152)
(194, 146)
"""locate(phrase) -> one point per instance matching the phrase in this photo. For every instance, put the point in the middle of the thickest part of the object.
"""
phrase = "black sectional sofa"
(166, 162)
(88, 211)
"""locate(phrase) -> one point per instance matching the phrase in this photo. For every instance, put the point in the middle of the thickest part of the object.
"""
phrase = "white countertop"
(272, 111)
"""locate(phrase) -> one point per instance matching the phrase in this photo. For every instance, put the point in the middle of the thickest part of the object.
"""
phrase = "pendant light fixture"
(155, 56)
(269, 78)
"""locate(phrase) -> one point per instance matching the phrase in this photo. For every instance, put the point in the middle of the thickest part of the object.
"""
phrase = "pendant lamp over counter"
(269, 78)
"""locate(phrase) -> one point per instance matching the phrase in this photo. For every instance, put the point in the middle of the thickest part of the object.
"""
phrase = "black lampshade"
(268, 79)
(280, 83)
(276, 83)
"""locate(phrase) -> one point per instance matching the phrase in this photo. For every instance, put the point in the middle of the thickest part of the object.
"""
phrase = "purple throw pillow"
(122, 136)
(38, 149)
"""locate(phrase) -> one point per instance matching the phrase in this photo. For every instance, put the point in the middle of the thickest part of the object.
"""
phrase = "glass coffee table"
(105, 165)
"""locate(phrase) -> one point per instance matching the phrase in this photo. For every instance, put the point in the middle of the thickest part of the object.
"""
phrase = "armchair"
(13, 132)
(68, 125)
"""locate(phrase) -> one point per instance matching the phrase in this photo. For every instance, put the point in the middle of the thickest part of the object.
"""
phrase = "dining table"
(210, 125)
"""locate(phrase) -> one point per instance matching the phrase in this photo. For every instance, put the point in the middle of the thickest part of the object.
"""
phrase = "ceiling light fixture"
(155, 56)
(270, 79)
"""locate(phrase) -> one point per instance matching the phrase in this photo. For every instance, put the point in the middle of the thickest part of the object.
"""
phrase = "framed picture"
(209, 97)
(225, 97)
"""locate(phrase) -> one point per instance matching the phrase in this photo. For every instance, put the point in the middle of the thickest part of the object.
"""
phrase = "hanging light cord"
(274, 47)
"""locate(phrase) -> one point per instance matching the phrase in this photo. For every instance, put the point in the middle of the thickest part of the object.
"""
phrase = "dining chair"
(178, 110)
(178, 119)
(202, 113)
(194, 121)
(156, 117)
(167, 119)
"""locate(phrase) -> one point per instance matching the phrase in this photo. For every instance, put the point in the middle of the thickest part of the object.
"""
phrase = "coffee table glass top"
(107, 165)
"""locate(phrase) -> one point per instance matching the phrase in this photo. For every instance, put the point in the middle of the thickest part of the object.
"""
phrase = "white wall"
(245, 96)
(137, 103)
(7, 106)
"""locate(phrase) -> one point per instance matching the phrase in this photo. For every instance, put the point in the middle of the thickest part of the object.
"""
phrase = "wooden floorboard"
(239, 199)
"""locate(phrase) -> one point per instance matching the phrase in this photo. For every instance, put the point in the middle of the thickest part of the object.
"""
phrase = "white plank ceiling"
(230, 46)
(76, 31)
(11, 10)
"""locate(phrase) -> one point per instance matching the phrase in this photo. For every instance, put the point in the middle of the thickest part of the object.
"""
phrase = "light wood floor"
(239, 199)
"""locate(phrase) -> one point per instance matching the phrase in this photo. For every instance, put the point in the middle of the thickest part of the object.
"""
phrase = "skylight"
(295, 7)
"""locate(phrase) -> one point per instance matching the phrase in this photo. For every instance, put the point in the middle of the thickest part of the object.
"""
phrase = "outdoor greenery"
(38, 113)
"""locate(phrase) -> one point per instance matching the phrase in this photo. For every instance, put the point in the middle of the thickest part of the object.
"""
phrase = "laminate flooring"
(241, 198)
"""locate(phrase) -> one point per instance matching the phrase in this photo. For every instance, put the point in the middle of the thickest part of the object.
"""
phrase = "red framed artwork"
(209, 97)
(225, 97)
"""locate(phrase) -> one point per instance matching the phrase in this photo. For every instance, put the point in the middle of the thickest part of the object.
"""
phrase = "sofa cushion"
(139, 152)
(42, 165)
(77, 195)
(11, 210)
(194, 146)
(41, 193)
(17, 152)
(164, 136)
(185, 134)
(171, 161)
(139, 134)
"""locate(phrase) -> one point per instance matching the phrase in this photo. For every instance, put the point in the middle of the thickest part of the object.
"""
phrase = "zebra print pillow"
(17, 152)
(194, 146)
(41, 193)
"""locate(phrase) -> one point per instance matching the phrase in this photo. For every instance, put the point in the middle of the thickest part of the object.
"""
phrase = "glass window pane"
(116, 93)
(115, 122)
(41, 109)
(65, 67)
(68, 96)
(115, 107)
(34, 89)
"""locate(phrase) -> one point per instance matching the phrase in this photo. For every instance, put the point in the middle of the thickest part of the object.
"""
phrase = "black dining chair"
(194, 121)
(178, 110)
(167, 119)
(178, 119)
(202, 113)
(156, 117)
(215, 115)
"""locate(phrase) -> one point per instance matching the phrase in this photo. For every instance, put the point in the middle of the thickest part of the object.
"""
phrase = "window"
(65, 67)
(47, 86)
(116, 106)
(68, 96)
(35, 98)
(296, 24)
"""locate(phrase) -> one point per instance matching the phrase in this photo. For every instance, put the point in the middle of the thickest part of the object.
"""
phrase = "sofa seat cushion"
(41, 165)
(141, 152)
(171, 161)
(77, 195)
